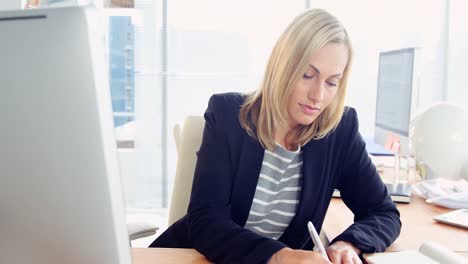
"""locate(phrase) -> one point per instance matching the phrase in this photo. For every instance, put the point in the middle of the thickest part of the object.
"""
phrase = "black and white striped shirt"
(277, 193)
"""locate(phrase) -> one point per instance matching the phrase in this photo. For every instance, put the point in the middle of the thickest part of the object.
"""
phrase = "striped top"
(277, 193)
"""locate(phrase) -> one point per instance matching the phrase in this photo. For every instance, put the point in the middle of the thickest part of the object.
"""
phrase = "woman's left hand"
(342, 252)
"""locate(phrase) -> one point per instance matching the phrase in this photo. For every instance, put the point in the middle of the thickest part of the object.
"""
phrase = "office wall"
(457, 79)
(10, 4)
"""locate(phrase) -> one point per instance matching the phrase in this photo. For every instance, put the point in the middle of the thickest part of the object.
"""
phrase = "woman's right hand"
(288, 255)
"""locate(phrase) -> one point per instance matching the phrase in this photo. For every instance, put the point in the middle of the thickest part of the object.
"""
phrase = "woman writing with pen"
(269, 161)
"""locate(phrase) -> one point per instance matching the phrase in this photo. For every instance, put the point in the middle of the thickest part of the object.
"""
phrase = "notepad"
(399, 192)
(457, 218)
(428, 253)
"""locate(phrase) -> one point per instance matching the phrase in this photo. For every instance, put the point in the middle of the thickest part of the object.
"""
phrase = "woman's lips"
(309, 110)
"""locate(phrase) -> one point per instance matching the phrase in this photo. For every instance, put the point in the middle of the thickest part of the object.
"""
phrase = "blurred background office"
(166, 57)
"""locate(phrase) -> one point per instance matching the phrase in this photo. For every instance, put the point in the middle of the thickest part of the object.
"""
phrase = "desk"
(167, 256)
(417, 226)
(416, 217)
(177, 255)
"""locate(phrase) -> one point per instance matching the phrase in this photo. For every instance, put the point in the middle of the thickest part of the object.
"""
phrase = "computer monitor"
(397, 94)
(60, 190)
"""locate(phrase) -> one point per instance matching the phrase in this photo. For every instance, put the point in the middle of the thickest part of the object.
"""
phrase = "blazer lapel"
(312, 180)
(245, 182)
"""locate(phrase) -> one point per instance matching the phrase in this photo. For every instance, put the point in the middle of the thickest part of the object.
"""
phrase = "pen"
(315, 237)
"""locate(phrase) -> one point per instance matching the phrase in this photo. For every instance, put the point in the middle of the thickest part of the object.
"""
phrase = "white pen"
(315, 237)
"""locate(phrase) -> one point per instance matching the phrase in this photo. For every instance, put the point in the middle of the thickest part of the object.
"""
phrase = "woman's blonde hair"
(266, 108)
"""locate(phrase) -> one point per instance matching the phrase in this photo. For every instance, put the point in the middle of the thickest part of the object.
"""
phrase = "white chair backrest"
(188, 139)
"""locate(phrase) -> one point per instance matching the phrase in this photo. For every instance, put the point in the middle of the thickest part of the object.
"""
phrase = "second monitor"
(397, 95)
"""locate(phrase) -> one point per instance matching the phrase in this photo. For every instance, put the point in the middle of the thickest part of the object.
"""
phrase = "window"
(214, 47)
(122, 71)
(205, 47)
(167, 57)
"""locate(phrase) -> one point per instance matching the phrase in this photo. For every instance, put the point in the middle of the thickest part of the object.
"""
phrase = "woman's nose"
(317, 91)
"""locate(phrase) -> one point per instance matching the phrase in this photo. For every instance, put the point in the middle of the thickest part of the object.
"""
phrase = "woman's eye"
(331, 84)
(306, 76)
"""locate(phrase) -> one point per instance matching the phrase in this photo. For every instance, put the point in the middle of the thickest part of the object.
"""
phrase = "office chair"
(188, 140)
(138, 230)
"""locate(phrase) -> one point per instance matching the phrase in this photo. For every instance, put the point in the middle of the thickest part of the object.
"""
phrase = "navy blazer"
(226, 175)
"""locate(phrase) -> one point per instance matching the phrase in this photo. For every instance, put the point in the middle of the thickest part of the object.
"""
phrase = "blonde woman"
(269, 161)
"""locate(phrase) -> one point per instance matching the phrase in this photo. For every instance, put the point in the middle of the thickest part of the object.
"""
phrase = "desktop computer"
(60, 190)
(397, 97)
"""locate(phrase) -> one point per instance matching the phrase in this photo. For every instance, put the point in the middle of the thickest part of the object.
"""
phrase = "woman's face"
(318, 86)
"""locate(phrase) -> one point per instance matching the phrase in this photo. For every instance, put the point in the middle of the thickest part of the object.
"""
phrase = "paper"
(400, 257)
(428, 253)
(443, 192)
(457, 218)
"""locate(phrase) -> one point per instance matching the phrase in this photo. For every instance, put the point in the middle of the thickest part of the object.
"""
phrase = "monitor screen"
(394, 90)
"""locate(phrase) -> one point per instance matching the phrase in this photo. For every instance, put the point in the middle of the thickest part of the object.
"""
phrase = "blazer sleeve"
(210, 226)
(376, 218)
